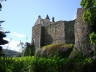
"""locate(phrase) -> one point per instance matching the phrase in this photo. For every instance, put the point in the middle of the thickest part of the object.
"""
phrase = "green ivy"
(89, 11)
(88, 3)
(92, 37)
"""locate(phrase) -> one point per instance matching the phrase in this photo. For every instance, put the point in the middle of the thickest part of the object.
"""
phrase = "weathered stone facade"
(82, 30)
(36, 35)
(46, 32)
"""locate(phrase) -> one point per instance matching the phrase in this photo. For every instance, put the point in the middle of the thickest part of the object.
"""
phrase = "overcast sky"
(20, 16)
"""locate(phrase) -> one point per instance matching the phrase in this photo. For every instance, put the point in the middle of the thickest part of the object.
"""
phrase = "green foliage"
(92, 37)
(8, 64)
(90, 17)
(62, 65)
(90, 11)
(76, 54)
(2, 41)
(55, 50)
(29, 50)
(34, 64)
(88, 3)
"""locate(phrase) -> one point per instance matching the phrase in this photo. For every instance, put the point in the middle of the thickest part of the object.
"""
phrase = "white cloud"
(74, 17)
(18, 35)
(13, 45)
(6, 39)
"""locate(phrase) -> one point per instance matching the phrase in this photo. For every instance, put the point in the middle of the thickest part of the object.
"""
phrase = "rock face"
(82, 30)
(55, 50)
(46, 32)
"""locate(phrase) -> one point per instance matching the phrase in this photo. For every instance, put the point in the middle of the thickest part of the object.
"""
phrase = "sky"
(20, 16)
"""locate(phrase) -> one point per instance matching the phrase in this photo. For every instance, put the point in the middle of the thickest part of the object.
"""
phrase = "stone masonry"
(82, 31)
(46, 32)
(77, 32)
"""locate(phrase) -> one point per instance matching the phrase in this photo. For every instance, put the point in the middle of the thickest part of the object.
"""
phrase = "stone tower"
(45, 32)
(36, 33)
(82, 30)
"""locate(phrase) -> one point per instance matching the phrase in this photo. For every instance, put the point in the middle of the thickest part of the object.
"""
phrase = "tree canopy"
(90, 11)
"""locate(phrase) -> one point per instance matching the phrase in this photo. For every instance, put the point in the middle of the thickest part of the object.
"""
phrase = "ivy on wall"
(90, 17)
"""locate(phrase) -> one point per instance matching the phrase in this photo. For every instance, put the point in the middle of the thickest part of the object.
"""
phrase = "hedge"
(33, 64)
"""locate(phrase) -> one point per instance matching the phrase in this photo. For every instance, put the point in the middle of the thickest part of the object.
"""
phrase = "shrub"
(35, 64)
(55, 50)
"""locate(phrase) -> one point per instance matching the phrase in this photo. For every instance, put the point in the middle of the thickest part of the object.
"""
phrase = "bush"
(34, 64)
(8, 64)
(55, 50)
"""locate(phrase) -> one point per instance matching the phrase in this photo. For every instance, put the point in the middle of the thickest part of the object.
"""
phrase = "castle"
(46, 32)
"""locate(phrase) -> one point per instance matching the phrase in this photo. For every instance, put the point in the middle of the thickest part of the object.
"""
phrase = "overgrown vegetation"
(34, 64)
(60, 50)
(90, 17)
(29, 49)
(90, 11)
(92, 37)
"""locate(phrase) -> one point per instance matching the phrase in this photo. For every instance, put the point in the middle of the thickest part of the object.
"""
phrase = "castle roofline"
(38, 20)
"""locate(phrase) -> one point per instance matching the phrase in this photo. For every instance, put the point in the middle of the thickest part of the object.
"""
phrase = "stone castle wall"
(69, 32)
(82, 30)
(36, 35)
(55, 32)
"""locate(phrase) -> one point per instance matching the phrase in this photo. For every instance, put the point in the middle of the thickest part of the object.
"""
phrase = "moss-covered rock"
(55, 50)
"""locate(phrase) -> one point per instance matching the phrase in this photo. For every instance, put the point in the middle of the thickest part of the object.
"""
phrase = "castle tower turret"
(47, 17)
(46, 21)
(38, 20)
(36, 32)
(53, 19)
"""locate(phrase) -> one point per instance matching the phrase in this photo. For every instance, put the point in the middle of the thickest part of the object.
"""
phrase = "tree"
(2, 41)
(1, 4)
(29, 49)
(90, 11)
(2, 33)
